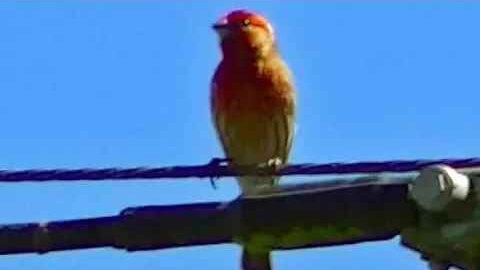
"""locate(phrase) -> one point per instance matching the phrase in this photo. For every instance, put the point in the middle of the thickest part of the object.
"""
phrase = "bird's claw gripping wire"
(271, 166)
(274, 164)
(216, 162)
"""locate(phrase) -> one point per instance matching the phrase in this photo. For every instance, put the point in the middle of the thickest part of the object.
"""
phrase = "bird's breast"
(250, 91)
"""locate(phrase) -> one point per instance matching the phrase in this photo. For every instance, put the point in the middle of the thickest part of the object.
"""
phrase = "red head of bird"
(245, 34)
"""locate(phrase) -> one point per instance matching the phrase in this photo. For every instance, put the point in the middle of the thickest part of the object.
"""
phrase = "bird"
(252, 98)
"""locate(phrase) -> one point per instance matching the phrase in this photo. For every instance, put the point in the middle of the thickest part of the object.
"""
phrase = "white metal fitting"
(438, 185)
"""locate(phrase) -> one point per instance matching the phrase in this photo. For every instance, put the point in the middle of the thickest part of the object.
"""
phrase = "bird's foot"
(274, 164)
(216, 162)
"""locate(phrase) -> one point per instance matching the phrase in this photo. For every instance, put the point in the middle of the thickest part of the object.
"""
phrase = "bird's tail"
(254, 185)
(255, 260)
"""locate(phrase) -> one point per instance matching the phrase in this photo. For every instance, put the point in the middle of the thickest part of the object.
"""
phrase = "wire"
(216, 168)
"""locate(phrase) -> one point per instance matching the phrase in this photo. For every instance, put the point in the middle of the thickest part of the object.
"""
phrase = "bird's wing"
(218, 118)
(285, 131)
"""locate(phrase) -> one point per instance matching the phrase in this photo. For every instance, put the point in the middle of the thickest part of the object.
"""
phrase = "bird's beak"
(221, 25)
(222, 28)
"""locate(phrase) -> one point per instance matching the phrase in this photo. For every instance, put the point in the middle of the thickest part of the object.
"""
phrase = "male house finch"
(252, 98)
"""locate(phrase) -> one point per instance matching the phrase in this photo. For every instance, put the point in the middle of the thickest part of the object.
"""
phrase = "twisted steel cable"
(217, 168)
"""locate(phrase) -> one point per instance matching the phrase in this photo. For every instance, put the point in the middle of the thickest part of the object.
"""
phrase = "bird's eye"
(246, 22)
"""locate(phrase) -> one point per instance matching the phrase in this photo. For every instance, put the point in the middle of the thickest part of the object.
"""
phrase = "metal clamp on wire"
(437, 186)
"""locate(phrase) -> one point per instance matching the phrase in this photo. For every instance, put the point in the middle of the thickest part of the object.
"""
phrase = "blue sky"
(100, 84)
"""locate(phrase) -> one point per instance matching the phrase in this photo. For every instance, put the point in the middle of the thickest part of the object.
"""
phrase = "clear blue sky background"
(98, 84)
